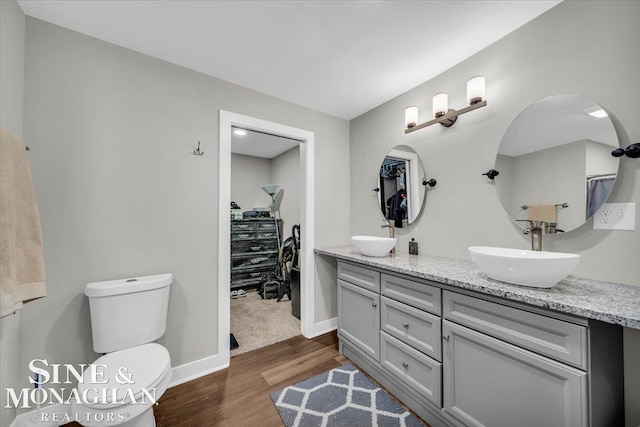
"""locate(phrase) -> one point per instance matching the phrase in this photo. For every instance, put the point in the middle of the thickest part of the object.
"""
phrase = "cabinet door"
(487, 382)
(359, 318)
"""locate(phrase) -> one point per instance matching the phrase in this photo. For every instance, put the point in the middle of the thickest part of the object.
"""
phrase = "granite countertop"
(609, 302)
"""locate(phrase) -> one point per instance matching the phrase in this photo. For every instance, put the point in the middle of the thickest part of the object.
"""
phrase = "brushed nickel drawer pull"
(405, 365)
(445, 337)
(374, 305)
(405, 324)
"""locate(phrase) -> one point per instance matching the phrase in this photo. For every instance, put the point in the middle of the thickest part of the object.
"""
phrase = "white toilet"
(127, 315)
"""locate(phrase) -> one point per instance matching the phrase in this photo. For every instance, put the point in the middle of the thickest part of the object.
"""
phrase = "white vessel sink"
(523, 267)
(374, 246)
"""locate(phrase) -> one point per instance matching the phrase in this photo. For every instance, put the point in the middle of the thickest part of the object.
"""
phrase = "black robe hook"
(491, 173)
(198, 151)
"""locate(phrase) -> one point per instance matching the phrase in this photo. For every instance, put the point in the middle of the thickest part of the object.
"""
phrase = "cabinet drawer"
(248, 278)
(421, 373)
(242, 226)
(414, 327)
(242, 235)
(253, 261)
(359, 318)
(245, 247)
(266, 226)
(266, 234)
(417, 294)
(360, 276)
(557, 339)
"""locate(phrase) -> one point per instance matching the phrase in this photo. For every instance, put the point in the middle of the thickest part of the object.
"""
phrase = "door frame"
(228, 119)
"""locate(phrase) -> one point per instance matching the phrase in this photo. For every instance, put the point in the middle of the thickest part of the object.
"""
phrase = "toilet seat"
(127, 372)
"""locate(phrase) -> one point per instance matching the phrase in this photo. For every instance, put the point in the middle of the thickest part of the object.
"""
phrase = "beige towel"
(546, 213)
(21, 261)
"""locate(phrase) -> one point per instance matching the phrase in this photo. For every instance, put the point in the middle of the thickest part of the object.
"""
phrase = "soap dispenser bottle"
(413, 247)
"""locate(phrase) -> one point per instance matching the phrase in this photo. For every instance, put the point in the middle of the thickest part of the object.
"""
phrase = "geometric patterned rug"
(340, 397)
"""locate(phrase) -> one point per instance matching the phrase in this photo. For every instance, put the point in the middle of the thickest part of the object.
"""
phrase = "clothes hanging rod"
(602, 175)
(558, 205)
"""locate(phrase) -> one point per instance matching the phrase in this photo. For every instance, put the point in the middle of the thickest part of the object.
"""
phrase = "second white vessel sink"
(523, 267)
(374, 246)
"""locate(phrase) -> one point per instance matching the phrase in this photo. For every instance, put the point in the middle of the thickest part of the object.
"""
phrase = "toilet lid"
(126, 373)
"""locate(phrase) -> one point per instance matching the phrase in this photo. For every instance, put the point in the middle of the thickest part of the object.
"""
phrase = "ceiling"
(339, 57)
(259, 144)
(557, 120)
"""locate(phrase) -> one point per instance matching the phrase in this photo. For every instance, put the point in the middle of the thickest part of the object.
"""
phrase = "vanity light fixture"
(410, 117)
(441, 112)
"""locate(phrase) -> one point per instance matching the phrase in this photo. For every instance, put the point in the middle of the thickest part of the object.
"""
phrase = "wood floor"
(239, 396)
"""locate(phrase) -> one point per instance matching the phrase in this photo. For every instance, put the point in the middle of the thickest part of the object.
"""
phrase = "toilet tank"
(128, 312)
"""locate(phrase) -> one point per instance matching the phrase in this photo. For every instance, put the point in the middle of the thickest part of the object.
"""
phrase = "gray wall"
(12, 27)
(589, 48)
(554, 175)
(120, 193)
(248, 174)
(286, 172)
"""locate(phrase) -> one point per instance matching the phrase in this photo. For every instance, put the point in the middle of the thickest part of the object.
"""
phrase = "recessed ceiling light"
(596, 111)
(240, 132)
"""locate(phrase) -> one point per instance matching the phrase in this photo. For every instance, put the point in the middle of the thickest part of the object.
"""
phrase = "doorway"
(265, 215)
(305, 138)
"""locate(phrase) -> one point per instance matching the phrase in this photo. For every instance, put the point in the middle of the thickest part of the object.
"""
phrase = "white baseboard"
(196, 369)
(322, 328)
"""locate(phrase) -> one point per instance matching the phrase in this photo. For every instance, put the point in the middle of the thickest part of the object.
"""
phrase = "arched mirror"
(401, 187)
(555, 163)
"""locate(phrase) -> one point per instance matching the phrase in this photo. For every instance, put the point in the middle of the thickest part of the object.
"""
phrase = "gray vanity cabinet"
(461, 359)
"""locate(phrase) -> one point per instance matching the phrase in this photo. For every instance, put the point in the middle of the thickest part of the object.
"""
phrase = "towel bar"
(558, 205)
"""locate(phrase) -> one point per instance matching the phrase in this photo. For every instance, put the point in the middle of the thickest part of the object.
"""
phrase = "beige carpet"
(257, 323)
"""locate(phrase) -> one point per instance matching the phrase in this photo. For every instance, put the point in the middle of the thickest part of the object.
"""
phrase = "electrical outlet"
(615, 216)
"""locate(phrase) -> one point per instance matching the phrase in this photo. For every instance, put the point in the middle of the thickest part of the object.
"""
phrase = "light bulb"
(475, 90)
(440, 104)
(411, 117)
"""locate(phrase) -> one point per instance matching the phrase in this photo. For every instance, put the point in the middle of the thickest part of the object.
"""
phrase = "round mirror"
(555, 164)
(401, 186)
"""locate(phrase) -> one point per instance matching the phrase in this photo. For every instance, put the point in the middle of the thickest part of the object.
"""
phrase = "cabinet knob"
(445, 337)
(405, 324)
(374, 305)
(405, 365)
